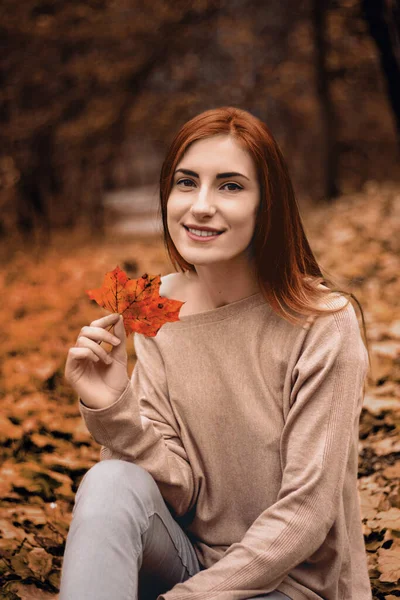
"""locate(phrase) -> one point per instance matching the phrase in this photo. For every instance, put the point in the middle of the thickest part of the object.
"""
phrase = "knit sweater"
(250, 426)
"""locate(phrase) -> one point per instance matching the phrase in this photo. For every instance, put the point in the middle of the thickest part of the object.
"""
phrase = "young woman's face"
(215, 185)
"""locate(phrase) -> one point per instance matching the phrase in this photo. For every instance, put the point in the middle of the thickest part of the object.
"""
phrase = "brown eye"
(185, 180)
(237, 187)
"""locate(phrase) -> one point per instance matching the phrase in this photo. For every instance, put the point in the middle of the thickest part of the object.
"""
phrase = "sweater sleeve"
(326, 373)
(140, 427)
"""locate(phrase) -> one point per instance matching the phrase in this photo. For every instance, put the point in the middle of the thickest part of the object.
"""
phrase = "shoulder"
(172, 285)
(344, 317)
(336, 325)
(150, 350)
(181, 286)
(337, 333)
(169, 288)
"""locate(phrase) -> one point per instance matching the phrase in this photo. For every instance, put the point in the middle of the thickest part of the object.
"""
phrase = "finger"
(119, 331)
(84, 342)
(99, 334)
(77, 354)
(106, 321)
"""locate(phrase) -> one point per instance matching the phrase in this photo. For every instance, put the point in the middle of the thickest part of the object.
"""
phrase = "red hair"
(288, 273)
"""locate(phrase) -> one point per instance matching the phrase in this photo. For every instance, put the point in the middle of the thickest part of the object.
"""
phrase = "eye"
(183, 181)
(188, 183)
(236, 188)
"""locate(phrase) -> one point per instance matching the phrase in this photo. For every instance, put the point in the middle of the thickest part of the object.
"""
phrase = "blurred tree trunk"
(330, 148)
(37, 185)
(167, 47)
(69, 95)
(383, 18)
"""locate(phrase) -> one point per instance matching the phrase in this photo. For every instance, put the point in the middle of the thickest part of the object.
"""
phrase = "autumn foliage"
(137, 300)
(45, 447)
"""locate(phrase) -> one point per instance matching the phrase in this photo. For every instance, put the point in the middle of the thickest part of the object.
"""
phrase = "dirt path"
(134, 210)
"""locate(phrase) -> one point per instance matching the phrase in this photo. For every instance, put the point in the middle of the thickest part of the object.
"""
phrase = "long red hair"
(287, 271)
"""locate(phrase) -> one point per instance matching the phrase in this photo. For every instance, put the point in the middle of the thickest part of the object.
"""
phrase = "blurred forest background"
(91, 94)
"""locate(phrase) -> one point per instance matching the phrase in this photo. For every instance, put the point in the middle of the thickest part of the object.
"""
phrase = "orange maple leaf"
(137, 300)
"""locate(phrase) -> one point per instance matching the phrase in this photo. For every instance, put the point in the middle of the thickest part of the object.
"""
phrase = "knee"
(116, 481)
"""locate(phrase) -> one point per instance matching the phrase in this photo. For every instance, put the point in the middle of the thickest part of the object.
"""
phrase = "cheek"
(174, 218)
(174, 205)
(171, 210)
(244, 218)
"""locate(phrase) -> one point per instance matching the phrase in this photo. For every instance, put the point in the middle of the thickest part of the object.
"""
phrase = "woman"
(228, 466)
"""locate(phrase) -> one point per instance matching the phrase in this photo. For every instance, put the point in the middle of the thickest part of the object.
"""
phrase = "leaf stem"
(107, 329)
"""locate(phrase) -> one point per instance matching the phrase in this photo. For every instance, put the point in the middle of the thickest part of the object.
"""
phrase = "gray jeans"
(123, 542)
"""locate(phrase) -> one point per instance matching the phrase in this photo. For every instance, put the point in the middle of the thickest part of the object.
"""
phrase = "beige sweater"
(250, 427)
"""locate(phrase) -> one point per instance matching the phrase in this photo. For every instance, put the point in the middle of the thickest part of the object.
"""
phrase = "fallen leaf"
(40, 562)
(45, 308)
(137, 300)
(19, 563)
(29, 592)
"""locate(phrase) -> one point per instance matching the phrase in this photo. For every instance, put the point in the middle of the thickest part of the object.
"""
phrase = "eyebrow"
(218, 176)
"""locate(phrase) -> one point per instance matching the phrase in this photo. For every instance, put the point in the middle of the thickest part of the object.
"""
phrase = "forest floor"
(45, 446)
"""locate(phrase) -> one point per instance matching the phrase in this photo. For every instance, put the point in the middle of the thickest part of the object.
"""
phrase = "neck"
(220, 286)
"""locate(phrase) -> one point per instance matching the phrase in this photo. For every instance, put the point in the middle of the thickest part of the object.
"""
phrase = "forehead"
(218, 153)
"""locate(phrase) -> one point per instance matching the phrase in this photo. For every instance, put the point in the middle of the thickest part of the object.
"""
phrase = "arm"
(326, 390)
(140, 427)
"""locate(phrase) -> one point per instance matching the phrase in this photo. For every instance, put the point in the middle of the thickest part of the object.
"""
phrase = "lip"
(202, 227)
(202, 238)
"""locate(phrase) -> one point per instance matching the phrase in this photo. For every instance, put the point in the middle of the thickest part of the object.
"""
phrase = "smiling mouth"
(207, 232)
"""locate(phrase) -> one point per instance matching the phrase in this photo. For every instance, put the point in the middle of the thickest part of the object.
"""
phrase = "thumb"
(119, 332)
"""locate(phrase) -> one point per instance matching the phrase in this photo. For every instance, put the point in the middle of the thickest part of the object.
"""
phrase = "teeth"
(203, 233)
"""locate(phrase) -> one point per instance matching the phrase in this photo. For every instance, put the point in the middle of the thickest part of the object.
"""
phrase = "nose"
(203, 202)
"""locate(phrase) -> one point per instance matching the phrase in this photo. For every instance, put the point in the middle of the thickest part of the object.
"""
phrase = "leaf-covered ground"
(45, 447)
